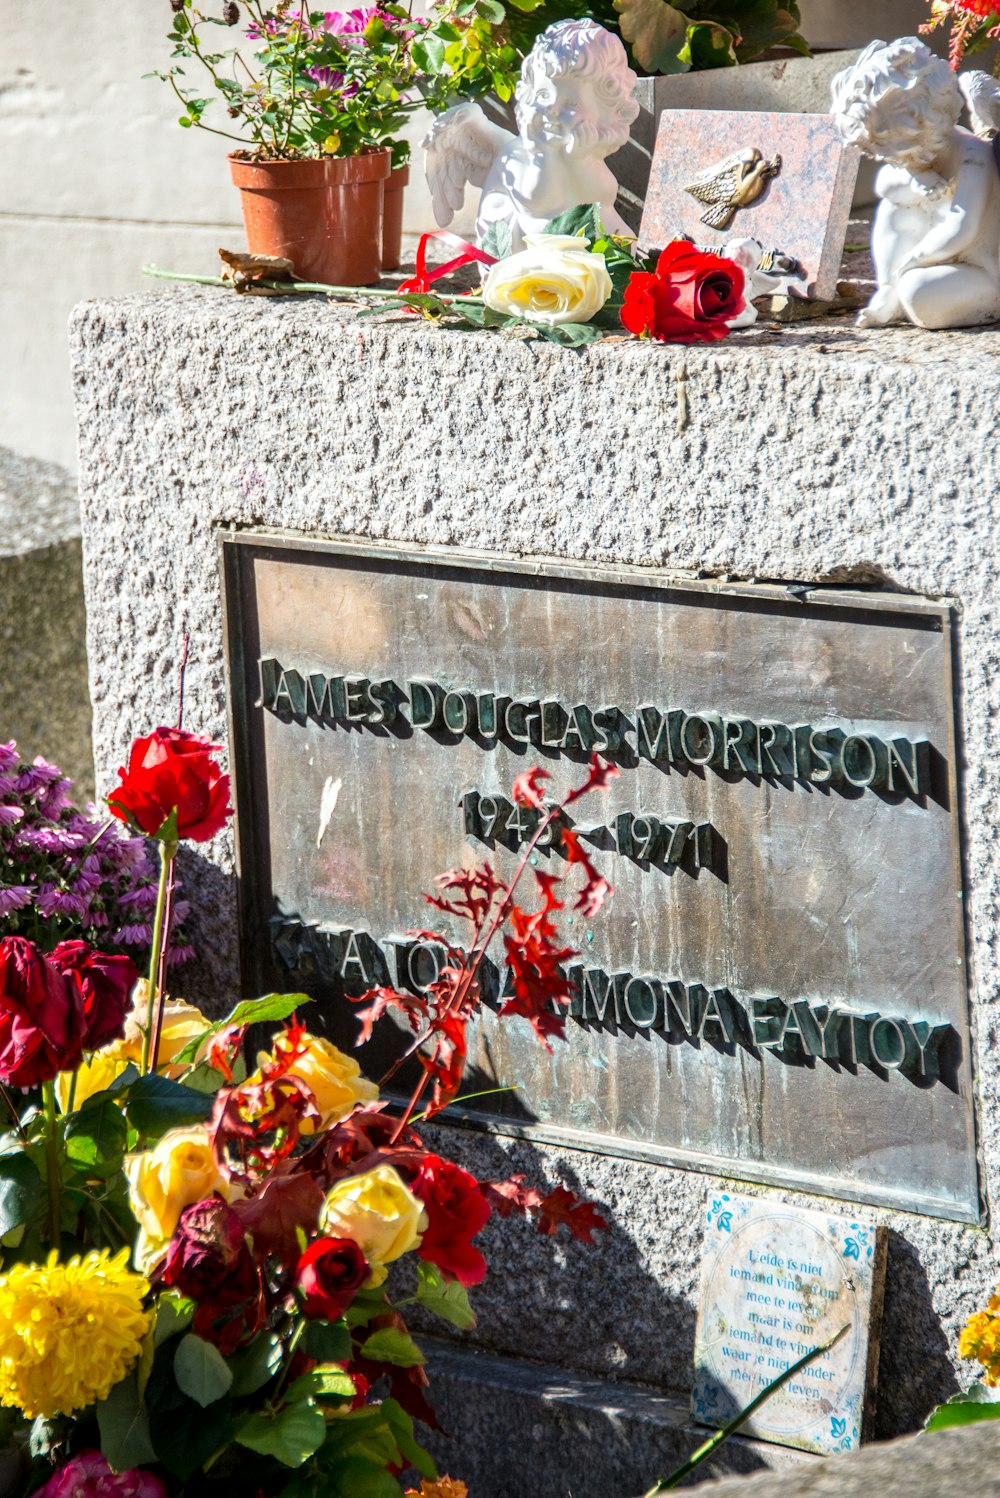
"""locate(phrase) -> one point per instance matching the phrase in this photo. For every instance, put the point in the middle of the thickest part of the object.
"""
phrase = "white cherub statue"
(574, 108)
(936, 233)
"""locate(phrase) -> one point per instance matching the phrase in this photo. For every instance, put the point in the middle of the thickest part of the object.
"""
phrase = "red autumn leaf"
(476, 889)
(564, 1207)
(255, 1125)
(287, 1202)
(595, 889)
(411, 1006)
(224, 1049)
(446, 1062)
(599, 776)
(527, 789)
(510, 1196)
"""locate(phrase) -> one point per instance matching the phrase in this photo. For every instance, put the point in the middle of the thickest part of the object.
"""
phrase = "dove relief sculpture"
(732, 184)
(936, 231)
(574, 108)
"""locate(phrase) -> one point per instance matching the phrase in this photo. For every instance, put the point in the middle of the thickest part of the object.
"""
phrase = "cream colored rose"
(334, 1079)
(182, 1023)
(177, 1172)
(378, 1212)
(555, 280)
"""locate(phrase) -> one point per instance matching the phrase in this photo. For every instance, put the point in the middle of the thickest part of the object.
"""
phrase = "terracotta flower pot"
(324, 216)
(392, 217)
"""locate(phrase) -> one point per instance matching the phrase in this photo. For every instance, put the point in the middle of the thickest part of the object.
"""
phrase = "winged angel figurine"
(574, 108)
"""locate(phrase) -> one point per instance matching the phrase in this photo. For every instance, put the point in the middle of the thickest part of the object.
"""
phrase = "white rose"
(555, 280)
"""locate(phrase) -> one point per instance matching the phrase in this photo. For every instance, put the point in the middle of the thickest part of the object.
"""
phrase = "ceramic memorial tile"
(786, 180)
(777, 988)
(776, 1282)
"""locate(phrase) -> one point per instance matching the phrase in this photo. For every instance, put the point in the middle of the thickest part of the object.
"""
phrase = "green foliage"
(256, 1365)
(291, 1434)
(390, 1345)
(156, 1104)
(96, 1138)
(446, 1298)
(21, 1190)
(980, 1402)
(201, 1371)
(124, 1426)
(328, 1341)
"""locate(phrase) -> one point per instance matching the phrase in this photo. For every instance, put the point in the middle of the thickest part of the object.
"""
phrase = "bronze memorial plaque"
(777, 990)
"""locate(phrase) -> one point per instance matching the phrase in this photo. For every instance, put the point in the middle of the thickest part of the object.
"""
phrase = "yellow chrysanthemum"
(68, 1332)
(980, 1340)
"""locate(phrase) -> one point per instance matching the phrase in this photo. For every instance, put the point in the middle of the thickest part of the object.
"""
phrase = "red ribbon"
(421, 282)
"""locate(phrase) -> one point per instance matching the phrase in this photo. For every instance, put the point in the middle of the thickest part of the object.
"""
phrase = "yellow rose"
(92, 1076)
(382, 1216)
(177, 1172)
(334, 1079)
(555, 280)
(182, 1023)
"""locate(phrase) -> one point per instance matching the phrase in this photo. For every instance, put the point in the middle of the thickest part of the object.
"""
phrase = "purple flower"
(134, 936)
(14, 897)
(8, 755)
(50, 840)
(10, 815)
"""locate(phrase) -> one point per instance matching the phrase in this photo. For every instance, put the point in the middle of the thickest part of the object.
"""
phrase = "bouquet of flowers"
(198, 1259)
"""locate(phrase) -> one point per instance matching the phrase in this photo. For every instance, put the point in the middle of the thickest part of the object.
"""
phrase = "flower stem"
(52, 1165)
(156, 990)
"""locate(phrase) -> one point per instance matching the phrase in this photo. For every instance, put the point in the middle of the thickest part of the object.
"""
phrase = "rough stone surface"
(948, 1462)
(44, 703)
(572, 1431)
(815, 453)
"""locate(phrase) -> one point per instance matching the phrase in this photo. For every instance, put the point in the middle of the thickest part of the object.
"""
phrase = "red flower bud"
(105, 984)
(172, 771)
(41, 1016)
(456, 1211)
(329, 1275)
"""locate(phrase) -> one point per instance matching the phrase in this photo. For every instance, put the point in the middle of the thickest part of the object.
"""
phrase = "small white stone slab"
(776, 1282)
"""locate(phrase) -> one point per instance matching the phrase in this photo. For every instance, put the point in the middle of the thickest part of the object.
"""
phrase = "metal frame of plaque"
(777, 991)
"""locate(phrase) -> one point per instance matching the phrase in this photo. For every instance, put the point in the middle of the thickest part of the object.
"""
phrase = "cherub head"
(899, 103)
(576, 91)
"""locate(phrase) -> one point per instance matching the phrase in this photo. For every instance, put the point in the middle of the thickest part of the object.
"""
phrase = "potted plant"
(314, 102)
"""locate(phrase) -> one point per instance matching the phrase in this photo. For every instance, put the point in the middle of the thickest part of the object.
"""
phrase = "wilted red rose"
(456, 1211)
(173, 770)
(41, 1016)
(105, 983)
(210, 1261)
(689, 298)
(329, 1275)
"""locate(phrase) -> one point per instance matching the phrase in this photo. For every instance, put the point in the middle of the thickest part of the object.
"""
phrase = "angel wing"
(461, 146)
(982, 95)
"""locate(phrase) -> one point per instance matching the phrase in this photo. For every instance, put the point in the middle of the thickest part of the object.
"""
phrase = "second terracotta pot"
(392, 217)
(324, 216)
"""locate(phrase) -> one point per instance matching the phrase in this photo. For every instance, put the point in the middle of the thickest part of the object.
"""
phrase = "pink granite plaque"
(786, 180)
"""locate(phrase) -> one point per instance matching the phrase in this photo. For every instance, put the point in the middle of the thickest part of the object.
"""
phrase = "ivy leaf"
(293, 1435)
(656, 33)
(390, 1345)
(20, 1190)
(124, 1426)
(445, 1298)
(256, 1365)
(201, 1371)
(156, 1104)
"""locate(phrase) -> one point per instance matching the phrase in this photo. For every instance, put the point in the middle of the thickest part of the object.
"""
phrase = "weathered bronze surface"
(777, 990)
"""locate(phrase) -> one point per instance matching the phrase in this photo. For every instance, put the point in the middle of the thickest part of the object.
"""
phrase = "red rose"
(689, 298)
(105, 985)
(456, 1211)
(41, 1016)
(329, 1275)
(173, 771)
(210, 1261)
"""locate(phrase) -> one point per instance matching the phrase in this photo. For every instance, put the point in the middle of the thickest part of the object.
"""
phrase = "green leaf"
(497, 240)
(20, 1190)
(570, 334)
(328, 1341)
(709, 45)
(401, 1425)
(124, 1426)
(96, 1137)
(156, 1104)
(264, 1011)
(201, 1371)
(173, 1314)
(978, 1403)
(331, 1382)
(390, 1345)
(47, 1432)
(356, 1477)
(492, 11)
(656, 33)
(292, 1435)
(428, 54)
(256, 1365)
(446, 1298)
(365, 1305)
(584, 220)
